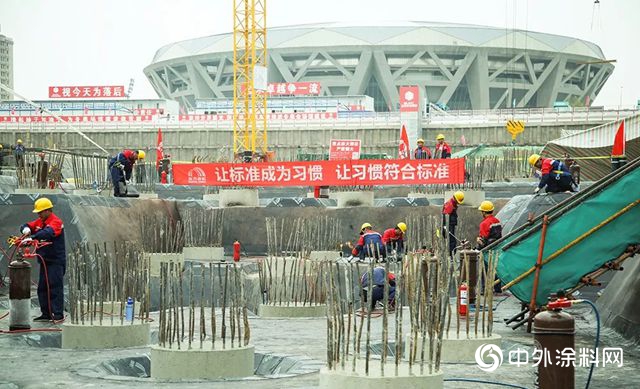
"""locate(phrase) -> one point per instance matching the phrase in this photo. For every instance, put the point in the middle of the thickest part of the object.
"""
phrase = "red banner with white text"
(322, 173)
(87, 92)
(77, 119)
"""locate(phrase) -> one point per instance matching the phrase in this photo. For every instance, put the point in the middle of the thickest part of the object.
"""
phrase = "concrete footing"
(284, 311)
(38, 191)
(458, 350)
(238, 198)
(323, 255)
(78, 336)
(207, 254)
(353, 198)
(156, 258)
(471, 197)
(110, 308)
(346, 379)
(202, 363)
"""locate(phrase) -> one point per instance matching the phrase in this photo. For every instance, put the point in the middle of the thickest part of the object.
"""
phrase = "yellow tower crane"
(250, 80)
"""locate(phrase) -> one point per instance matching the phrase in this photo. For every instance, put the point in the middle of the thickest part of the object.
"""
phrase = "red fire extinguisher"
(464, 298)
(163, 177)
(236, 251)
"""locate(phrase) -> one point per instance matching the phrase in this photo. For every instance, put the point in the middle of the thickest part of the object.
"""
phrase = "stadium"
(456, 65)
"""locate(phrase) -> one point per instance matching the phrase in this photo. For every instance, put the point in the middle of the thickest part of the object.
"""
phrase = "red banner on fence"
(322, 173)
(270, 116)
(87, 92)
(77, 119)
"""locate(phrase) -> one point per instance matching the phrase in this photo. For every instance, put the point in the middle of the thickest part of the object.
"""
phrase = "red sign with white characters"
(340, 149)
(87, 92)
(77, 119)
(270, 116)
(322, 173)
(309, 88)
(409, 96)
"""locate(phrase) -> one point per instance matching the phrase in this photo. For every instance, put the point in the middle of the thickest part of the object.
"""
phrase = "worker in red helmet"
(393, 239)
(52, 259)
(443, 150)
(121, 167)
(450, 219)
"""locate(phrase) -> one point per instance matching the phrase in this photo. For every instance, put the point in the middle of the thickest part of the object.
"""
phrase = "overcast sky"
(98, 42)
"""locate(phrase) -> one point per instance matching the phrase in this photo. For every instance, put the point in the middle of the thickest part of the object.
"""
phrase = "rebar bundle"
(302, 235)
(107, 274)
(203, 227)
(202, 329)
(161, 234)
(292, 281)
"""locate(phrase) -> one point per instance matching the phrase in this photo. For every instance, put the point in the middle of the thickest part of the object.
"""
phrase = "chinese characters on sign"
(270, 116)
(344, 149)
(87, 92)
(77, 119)
(322, 173)
(310, 88)
(409, 99)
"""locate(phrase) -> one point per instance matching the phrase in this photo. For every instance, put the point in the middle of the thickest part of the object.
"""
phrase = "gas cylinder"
(463, 291)
(553, 332)
(236, 251)
(20, 295)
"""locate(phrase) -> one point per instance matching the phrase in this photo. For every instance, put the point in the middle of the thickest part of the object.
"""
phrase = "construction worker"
(421, 152)
(19, 152)
(490, 227)
(555, 175)
(377, 294)
(370, 244)
(52, 259)
(443, 150)
(1, 157)
(450, 218)
(121, 167)
(393, 239)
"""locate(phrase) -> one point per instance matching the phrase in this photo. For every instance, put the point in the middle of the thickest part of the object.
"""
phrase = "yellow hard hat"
(439, 137)
(42, 204)
(533, 159)
(402, 226)
(459, 196)
(0, 146)
(141, 154)
(365, 225)
(19, 141)
(420, 140)
(486, 206)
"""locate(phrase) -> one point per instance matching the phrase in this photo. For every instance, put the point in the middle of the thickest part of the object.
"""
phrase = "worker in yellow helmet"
(422, 151)
(555, 175)
(19, 152)
(443, 150)
(393, 239)
(121, 168)
(450, 218)
(490, 227)
(1, 157)
(52, 258)
(369, 244)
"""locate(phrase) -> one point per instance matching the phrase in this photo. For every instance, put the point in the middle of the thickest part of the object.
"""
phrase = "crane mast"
(249, 66)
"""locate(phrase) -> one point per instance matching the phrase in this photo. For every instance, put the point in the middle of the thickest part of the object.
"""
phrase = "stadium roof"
(389, 34)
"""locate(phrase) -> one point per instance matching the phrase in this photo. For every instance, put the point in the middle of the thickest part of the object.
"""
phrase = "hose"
(483, 382)
(595, 310)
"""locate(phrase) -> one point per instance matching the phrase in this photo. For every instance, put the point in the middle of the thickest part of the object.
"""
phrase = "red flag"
(403, 148)
(619, 142)
(159, 149)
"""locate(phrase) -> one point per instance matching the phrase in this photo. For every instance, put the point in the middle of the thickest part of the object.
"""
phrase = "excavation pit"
(138, 368)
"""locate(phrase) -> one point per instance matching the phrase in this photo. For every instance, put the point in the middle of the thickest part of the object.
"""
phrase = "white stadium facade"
(460, 66)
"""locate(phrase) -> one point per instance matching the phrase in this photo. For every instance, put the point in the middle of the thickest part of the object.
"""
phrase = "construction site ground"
(34, 360)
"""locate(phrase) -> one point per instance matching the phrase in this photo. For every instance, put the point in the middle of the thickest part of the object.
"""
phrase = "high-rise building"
(6, 66)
